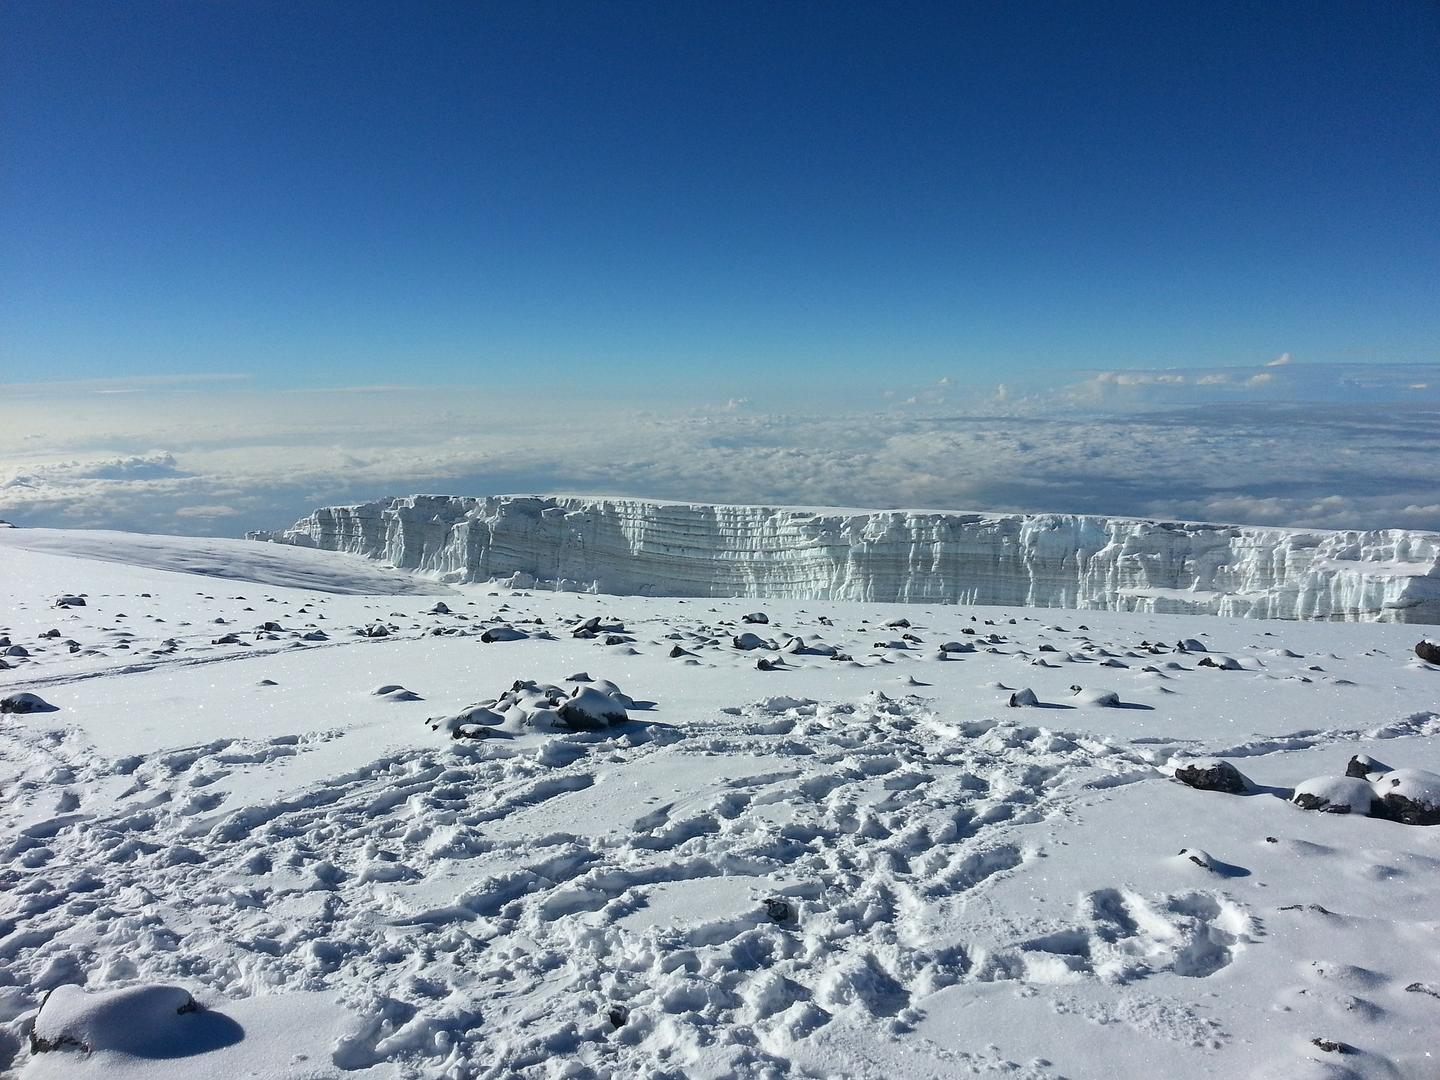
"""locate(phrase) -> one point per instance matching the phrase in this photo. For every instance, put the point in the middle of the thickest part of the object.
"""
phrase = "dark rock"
(1362, 765)
(1409, 796)
(755, 617)
(589, 709)
(778, 909)
(1429, 651)
(1213, 776)
(1330, 1046)
(25, 703)
(618, 1015)
(1408, 811)
(502, 633)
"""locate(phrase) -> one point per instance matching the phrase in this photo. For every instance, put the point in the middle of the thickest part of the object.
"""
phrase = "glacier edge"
(639, 546)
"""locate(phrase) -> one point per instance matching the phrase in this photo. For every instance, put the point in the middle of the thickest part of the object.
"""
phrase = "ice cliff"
(1037, 560)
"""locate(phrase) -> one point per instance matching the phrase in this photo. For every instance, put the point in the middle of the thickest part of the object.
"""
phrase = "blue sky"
(659, 199)
(1167, 260)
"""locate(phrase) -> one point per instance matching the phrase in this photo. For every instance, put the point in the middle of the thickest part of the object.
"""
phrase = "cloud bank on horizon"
(1324, 446)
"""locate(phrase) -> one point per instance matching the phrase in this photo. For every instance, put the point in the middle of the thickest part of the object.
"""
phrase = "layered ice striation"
(634, 546)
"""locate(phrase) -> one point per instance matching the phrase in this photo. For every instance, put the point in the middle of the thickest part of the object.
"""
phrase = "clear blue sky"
(670, 193)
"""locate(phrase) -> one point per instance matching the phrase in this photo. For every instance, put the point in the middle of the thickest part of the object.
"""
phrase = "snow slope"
(861, 864)
(1037, 560)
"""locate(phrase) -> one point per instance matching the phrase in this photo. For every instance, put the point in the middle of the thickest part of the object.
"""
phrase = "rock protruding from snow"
(1411, 796)
(1429, 651)
(1213, 775)
(1039, 560)
(747, 641)
(148, 1020)
(1365, 767)
(1335, 795)
(25, 703)
(591, 709)
(528, 706)
(503, 633)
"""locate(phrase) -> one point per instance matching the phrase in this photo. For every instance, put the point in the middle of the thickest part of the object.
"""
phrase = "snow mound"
(1334, 795)
(149, 1021)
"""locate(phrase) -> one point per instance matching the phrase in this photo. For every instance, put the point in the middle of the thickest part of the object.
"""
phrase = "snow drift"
(632, 546)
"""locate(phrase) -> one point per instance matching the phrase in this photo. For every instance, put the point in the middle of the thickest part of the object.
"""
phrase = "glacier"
(1086, 562)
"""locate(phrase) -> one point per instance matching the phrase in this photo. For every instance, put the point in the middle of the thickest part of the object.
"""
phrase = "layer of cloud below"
(221, 463)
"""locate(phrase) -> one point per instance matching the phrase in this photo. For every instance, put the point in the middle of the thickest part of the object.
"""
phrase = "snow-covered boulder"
(152, 1021)
(70, 601)
(1211, 774)
(1410, 795)
(1335, 795)
(1103, 699)
(747, 641)
(395, 692)
(1022, 699)
(473, 722)
(591, 709)
(755, 617)
(1220, 663)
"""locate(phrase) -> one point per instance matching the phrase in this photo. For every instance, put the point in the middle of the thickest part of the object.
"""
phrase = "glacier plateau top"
(638, 546)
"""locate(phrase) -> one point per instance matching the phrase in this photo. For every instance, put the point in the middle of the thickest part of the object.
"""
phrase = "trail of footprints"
(874, 811)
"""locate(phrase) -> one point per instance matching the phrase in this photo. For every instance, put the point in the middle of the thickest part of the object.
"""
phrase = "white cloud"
(1217, 451)
(1281, 360)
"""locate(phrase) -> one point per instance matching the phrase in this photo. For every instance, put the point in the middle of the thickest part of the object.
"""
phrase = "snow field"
(858, 867)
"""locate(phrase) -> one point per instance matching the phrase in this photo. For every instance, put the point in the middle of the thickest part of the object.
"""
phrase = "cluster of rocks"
(1368, 788)
(1411, 796)
(587, 705)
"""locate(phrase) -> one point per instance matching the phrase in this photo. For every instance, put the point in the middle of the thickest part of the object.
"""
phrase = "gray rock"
(1213, 776)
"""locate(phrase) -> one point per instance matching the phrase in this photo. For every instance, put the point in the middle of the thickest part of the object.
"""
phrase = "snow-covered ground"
(864, 865)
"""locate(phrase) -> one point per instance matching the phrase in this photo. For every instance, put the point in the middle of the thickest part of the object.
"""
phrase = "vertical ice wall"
(1037, 560)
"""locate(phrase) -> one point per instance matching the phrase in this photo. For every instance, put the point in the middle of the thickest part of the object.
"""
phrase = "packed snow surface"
(630, 546)
(365, 841)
